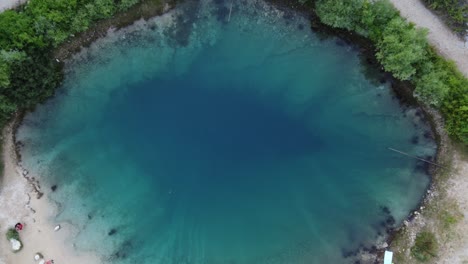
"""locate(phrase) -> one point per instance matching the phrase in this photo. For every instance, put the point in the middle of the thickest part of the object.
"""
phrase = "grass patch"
(448, 219)
(425, 246)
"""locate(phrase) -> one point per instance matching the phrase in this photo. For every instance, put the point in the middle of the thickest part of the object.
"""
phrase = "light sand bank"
(19, 203)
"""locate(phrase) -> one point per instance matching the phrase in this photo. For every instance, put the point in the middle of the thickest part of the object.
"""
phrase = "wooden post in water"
(230, 11)
(414, 157)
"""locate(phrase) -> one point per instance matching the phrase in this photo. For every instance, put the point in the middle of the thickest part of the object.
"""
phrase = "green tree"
(340, 13)
(402, 48)
(6, 59)
(376, 16)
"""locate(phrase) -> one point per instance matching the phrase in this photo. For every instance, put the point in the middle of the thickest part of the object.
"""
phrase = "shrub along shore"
(35, 34)
(32, 33)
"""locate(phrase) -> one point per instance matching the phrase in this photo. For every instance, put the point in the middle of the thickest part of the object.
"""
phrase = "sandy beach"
(19, 203)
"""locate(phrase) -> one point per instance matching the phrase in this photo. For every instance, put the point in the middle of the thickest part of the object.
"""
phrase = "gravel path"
(447, 43)
(7, 4)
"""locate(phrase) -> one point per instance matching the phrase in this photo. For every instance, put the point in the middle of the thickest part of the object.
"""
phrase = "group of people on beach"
(19, 227)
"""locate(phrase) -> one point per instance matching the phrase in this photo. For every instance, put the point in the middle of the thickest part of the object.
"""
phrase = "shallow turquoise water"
(191, 139)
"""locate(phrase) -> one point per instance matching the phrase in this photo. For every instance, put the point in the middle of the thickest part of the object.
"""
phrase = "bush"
(340, 13)
(12, 233)
(455, 11)
(402, 48)
(425, 246)
(28, 35)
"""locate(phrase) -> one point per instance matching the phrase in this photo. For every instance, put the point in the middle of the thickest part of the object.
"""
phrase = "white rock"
(37, 257)
(42, 261)
(57, 228)
(15, 244)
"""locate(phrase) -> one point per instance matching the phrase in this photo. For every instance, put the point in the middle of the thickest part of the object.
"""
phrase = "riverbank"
(19, 202)
(445, 209)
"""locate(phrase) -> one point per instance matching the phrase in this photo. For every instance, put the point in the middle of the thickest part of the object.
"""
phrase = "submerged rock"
(113, 231)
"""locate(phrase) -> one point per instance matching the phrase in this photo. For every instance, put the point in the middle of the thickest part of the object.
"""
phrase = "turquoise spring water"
(201, 138)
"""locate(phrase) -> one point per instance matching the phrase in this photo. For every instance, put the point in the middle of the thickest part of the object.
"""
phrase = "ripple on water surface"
(209, 136)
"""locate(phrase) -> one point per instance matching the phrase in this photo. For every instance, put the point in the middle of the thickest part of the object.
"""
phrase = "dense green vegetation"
(454, 11)
(28, 35)
(403, 50)
(425, 246)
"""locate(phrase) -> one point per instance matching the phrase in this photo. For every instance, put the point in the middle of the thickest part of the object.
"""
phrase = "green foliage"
(455, 11)
(431, 87)
(449, 219)
(126, 4)
(425, 246)
(366, 17)
(376, 16)
(28, 73)
(340, 13)
(6, 59)
(4, 73)
(100, 9)
(455, 108)
(402, 48)
(33, 80)
(12, 233)
(17, 31)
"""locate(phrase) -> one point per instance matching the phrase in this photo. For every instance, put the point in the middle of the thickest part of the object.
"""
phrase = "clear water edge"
(210, 36)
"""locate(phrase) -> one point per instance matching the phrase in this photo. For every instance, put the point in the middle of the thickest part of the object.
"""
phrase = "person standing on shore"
(19, 226)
